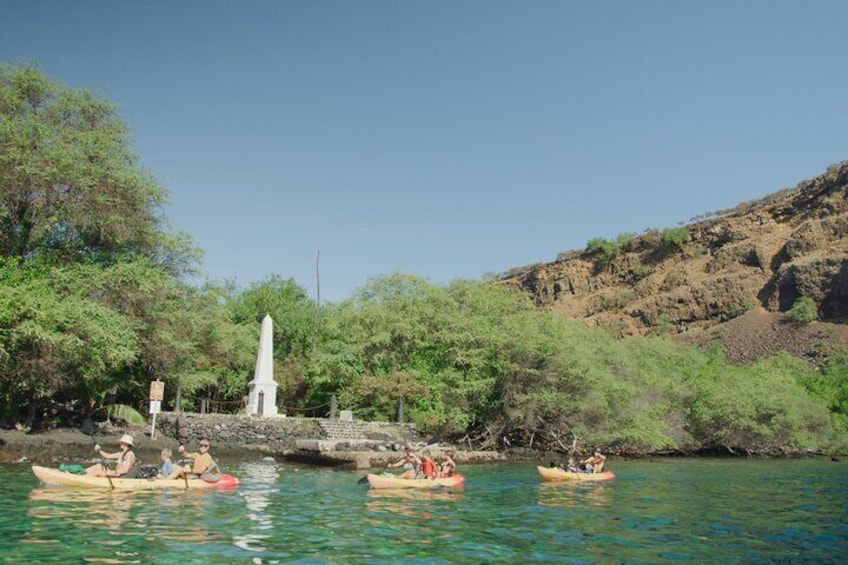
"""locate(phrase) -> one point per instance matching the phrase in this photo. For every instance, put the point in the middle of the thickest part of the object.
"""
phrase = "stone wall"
(279, 435)
(311, 440)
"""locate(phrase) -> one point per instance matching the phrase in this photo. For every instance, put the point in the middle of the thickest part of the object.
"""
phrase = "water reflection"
(83, 507)
(412, 502)
(262, 476)
(574, 494)
(73, 517)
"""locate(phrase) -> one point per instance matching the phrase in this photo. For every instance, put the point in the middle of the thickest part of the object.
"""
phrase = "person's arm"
(187, 455)
(105, 455)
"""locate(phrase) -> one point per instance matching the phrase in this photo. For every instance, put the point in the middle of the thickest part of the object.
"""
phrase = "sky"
(447, 139)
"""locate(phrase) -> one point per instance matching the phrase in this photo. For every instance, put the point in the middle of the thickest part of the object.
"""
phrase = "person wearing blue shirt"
(167, 467)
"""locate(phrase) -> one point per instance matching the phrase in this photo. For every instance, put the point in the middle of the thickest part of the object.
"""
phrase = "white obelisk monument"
(262, 400)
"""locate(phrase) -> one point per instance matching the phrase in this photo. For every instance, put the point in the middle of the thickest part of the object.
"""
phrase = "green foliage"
(56, 345)
(804, 310)
(673, 239)
(72, 190)
(763, 408)
(640, 272)
(90, 303)
(125, 413)
(831, 385)
(608, 250)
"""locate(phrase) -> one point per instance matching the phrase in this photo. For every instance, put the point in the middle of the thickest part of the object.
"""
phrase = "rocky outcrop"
(763, 254)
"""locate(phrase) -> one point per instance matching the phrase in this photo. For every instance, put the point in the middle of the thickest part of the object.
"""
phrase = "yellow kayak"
(56, 477)
(391, 481)
(557, 474)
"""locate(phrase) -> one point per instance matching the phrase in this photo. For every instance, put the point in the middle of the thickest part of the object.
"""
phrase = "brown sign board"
(157, 390)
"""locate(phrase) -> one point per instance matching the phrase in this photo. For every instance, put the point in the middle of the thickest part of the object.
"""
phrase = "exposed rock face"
(764, 254)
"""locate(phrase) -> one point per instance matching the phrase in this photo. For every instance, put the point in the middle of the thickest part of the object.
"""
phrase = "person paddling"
(203, 462)
(410, 463)
(126, 460)
(595, 463)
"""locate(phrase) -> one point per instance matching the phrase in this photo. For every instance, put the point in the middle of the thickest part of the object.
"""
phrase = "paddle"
(182, 443)
(89, 429)
(185, 472)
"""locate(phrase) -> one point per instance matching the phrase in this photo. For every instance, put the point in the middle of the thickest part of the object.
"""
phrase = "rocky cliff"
(728, 278)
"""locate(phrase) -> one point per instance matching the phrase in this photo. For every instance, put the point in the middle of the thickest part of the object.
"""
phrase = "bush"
(803, 311)
(603, 247)
(640, 272)
(610, 249)
(673, 239)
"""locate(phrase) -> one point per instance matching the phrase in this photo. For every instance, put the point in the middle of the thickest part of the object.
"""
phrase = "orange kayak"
(391, 481)
(56, 477)
(557, 474)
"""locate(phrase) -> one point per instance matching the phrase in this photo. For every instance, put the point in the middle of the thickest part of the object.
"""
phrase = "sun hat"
(127, 439)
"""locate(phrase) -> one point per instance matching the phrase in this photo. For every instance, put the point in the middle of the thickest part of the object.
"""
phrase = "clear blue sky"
(448, 139)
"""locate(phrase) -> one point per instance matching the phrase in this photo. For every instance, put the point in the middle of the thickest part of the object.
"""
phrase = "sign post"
(157, 394)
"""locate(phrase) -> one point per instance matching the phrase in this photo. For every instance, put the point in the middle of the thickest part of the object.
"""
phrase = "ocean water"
(660, 511)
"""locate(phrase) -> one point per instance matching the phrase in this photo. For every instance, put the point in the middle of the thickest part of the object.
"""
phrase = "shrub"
(673, 239)
(803, 311)
(609, 249)
(640, 272)
(603, 247)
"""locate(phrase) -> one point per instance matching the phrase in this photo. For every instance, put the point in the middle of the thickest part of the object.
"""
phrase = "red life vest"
(429, 469)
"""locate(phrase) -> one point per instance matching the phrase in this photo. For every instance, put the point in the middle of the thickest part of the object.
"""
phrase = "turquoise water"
(668, 511)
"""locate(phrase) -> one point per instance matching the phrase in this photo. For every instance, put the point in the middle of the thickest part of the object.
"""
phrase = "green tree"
(59, 347)
(70, 187)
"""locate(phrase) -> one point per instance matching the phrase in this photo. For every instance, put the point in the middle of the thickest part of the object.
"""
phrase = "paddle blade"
(88, 427)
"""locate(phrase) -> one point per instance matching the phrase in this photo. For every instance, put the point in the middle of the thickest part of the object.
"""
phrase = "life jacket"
(429, 469)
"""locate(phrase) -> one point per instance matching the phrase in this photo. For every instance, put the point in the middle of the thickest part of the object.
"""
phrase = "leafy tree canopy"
(70, 187)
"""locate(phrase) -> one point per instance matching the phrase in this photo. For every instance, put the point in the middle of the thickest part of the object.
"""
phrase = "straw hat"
(127, 439)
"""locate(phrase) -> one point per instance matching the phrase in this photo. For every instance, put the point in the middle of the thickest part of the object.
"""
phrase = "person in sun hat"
(126, 460)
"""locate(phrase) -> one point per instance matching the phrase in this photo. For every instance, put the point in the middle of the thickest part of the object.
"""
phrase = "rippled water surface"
(667, 511)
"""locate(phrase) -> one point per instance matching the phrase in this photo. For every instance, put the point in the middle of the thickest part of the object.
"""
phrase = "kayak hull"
(391, 481)
(56, 477)
(556, 474)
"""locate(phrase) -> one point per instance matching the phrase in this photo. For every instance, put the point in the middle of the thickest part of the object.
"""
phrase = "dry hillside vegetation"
(730, 280)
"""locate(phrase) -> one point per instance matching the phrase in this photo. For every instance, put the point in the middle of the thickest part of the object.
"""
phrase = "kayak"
(392, 481)
(557, 474)
(56, 477)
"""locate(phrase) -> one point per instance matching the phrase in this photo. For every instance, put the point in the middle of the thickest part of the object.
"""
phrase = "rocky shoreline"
(235, 438)
(294, 441)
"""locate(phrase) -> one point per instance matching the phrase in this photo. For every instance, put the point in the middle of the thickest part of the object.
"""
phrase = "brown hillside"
(727, 279)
